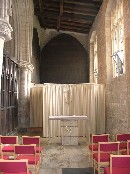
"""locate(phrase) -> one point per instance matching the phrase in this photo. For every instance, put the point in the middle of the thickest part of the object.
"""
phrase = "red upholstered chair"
(93, 147)
(127, 151)
(123, 140)
(28, 152)
(102, 157)
(14, 167)
(33, 140)
(119, 164)
(8, 143)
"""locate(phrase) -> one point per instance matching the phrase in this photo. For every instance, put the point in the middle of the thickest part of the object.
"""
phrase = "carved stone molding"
(5, 30)
(26, 65)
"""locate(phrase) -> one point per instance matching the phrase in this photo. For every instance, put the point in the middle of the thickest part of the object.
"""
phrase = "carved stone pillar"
(5, 35)
(25, 70)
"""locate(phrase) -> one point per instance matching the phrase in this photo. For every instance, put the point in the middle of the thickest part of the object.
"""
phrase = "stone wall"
(47, 35)
(126, 4)
(117, 89)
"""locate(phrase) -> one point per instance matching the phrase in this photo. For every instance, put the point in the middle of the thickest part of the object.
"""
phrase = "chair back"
(122, 137)
(100, 138)
(109, 147)
(14, 166)
(25, 149)
(120, 162)
(31, 140)
(9, 139)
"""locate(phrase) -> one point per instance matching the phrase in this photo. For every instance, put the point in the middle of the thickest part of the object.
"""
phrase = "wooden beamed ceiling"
(67, 15)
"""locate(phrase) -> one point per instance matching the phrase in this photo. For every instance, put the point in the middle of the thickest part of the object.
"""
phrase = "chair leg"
(92, 157)
(99, 169)
(94, 166)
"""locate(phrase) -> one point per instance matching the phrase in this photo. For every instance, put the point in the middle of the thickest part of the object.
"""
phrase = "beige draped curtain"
(68, 99)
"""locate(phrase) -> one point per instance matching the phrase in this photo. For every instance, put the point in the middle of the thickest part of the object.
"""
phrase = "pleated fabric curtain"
(36, 106)
(68, 99)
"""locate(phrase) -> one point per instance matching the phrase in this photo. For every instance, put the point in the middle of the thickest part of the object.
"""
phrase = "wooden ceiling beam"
(76, 24)
(75, 2)
(71, 7)
(42, 20)
(79, 17)
(80, 13)
(75, 27)
(69, 25)
(61, 7)
(70, 11)
(83, 3)
(51, 9)
(79, 8)
(69, 19)
(51, 5)
(68, 15)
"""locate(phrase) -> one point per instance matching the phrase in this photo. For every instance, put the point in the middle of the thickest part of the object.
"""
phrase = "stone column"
(5, 35)
(25, 69)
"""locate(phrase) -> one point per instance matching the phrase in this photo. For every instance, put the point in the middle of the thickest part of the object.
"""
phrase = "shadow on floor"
(88, 170)
(31, 131)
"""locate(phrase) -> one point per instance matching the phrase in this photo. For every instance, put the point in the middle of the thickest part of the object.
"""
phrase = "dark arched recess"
(64, 60)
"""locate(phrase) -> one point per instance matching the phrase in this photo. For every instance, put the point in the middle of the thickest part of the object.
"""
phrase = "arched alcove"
(64, 60)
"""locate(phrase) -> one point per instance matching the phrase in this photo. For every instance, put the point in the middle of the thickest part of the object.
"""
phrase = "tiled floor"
(55, 156)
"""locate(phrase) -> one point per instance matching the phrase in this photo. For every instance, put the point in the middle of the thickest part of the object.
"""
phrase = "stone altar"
(69, 128)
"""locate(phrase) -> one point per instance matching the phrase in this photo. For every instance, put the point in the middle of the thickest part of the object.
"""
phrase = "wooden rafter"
(68, 15)
(41, 12)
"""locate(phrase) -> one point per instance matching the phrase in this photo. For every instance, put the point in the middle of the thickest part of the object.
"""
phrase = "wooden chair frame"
(104, 151)
(8, 143)
(123, 140)
(96, 138)
(28, 152)
(120, 162)
(26, 140)
(127, 151)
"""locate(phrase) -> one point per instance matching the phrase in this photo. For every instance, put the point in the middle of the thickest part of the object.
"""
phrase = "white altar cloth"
(66, 117)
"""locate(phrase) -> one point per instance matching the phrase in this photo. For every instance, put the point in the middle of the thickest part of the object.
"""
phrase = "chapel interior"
(64, 58)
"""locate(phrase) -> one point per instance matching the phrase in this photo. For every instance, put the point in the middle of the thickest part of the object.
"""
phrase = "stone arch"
(49, 34)
(64, 60)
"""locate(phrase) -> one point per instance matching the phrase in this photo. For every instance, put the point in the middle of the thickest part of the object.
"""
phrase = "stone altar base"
(69, 132)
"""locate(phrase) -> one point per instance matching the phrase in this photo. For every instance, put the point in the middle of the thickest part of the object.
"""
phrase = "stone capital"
(5, 30)
(26, 65)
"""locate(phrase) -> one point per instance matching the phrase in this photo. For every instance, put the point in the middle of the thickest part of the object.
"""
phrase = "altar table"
(69, 128)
